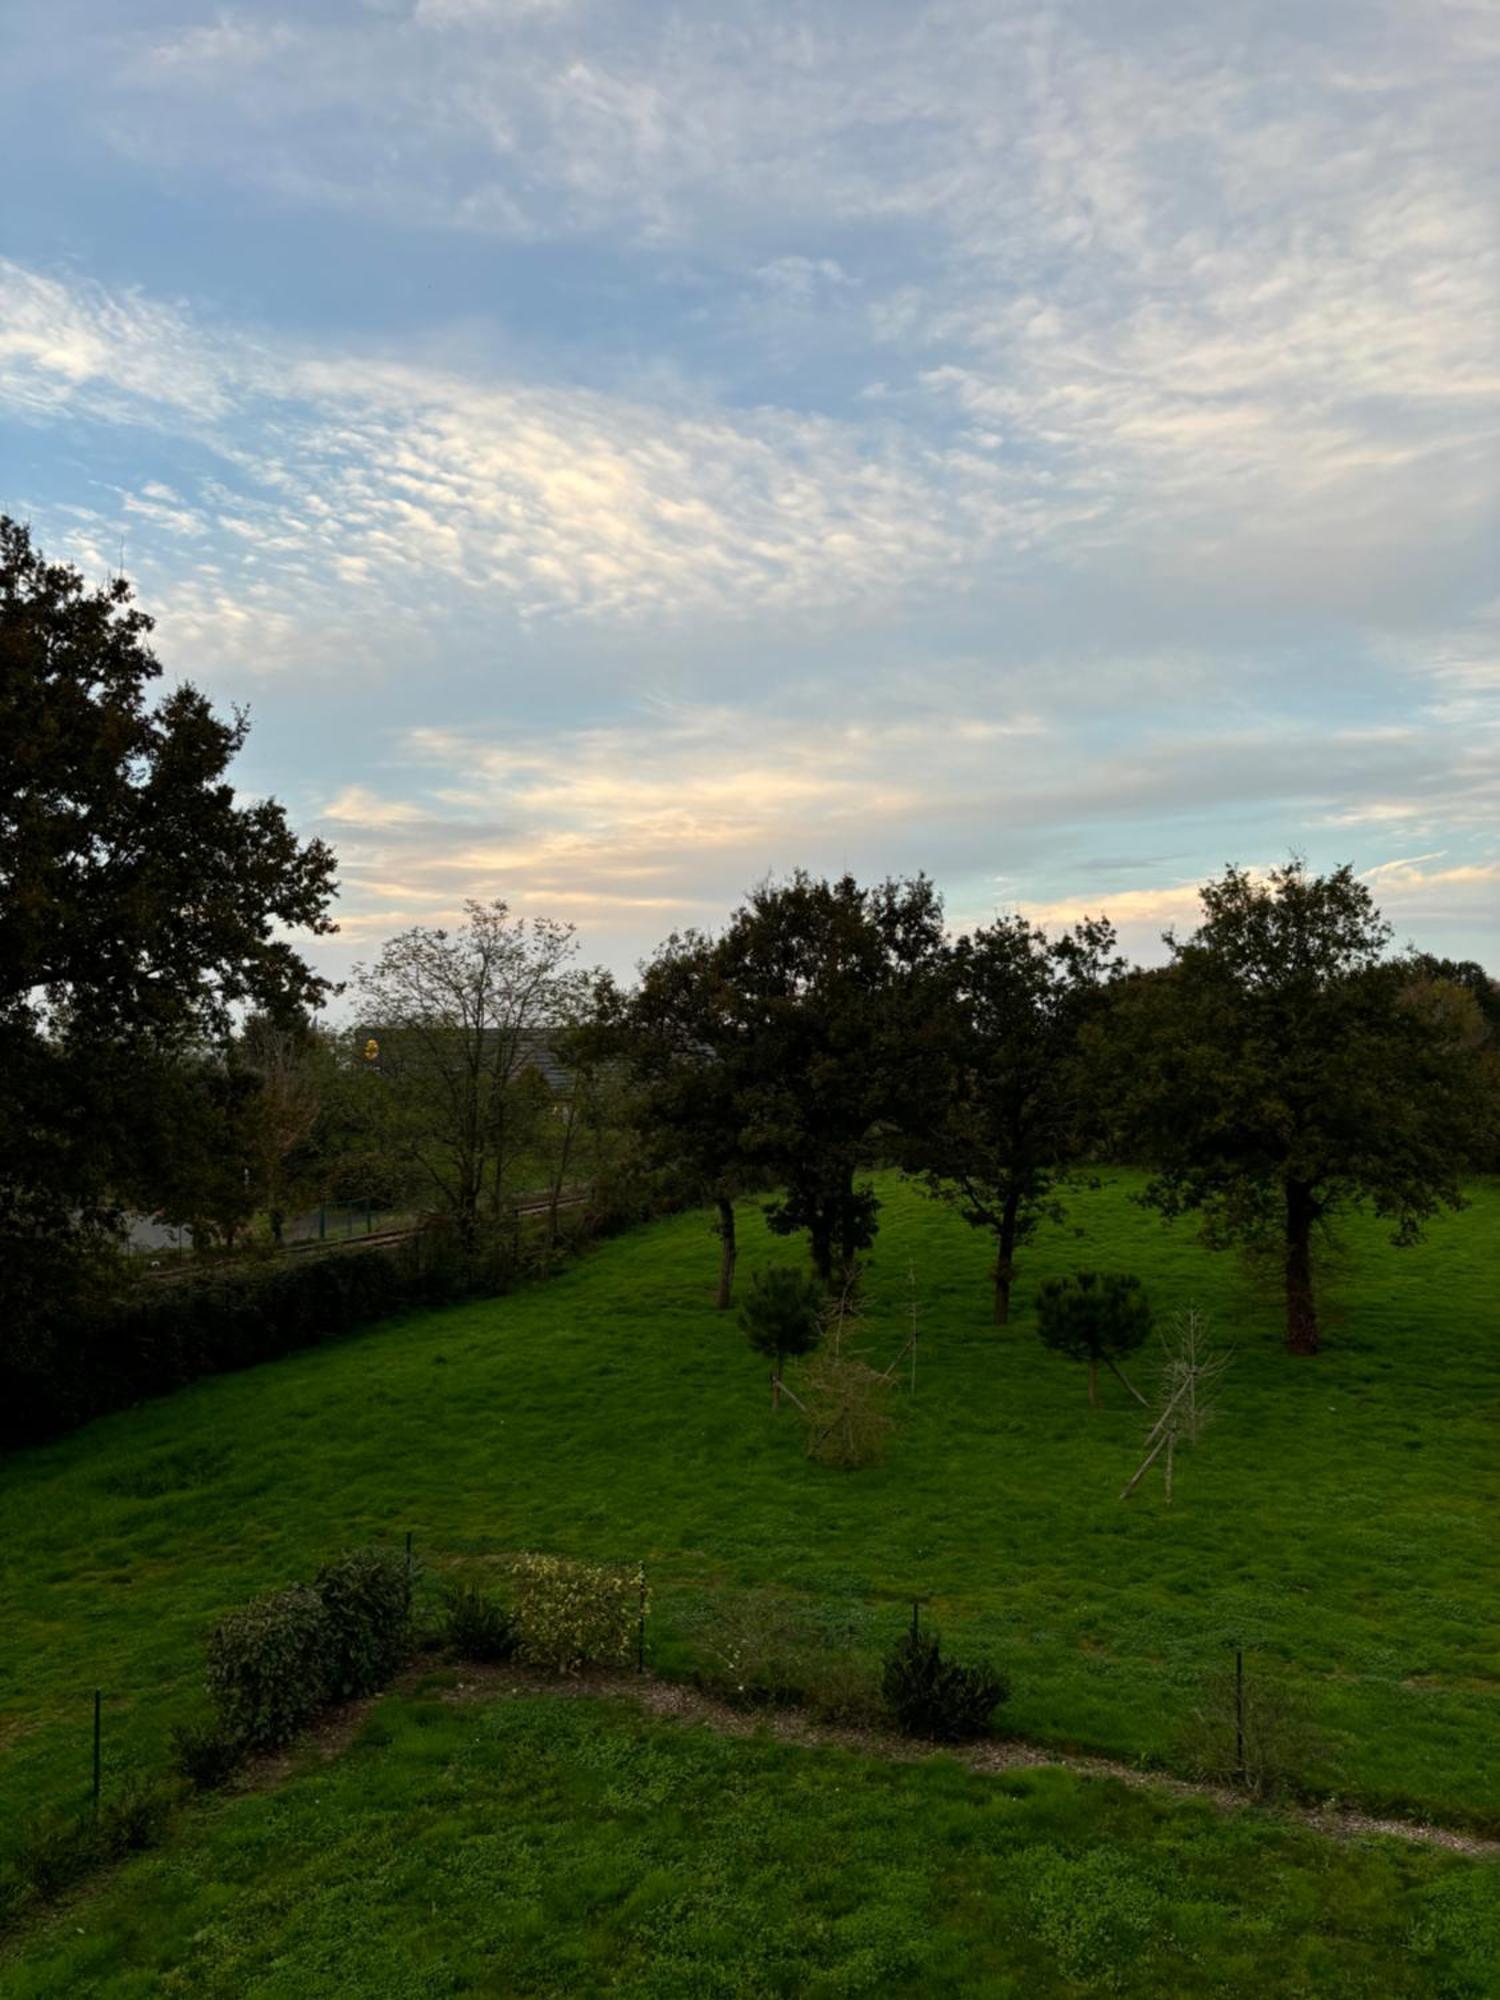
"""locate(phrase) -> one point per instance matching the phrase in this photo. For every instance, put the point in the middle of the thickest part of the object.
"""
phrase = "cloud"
(787, 412)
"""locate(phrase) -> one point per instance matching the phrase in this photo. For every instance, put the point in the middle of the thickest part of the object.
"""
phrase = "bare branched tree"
(463, 1022)
(1187, 1390)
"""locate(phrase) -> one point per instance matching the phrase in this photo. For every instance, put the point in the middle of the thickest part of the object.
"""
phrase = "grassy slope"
(538, 1846)
(1340, 1516)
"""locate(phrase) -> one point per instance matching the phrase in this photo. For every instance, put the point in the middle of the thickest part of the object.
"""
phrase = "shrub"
(477, 1626)
(57, 1849)
(574, 1614)
(1094, 1318)
(759, 1647)
(205, 1753)
(1265, 1717)
(366, 1595)
(930, 1696)
(134, 1821)
(271, 1666)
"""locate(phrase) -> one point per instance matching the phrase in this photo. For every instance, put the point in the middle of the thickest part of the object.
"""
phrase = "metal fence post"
(98, 1765)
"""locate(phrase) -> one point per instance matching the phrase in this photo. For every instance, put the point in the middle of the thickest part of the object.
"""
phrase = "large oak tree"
(1004, 1128)
(828, 988)
(1282, 1068)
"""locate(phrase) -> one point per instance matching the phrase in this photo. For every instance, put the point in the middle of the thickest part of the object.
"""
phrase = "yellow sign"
(372, 1049)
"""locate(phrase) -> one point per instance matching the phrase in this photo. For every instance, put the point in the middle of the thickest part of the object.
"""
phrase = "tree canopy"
(999, 1129)
(825, 984)
(1282, 1068)
(141, 901)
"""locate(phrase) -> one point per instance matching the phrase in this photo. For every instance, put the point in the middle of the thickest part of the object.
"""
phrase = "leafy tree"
(1001, 1134)
(456, 1020)
(1097, 1319)
(824, 988)
(782, 1315)
(684, 1042)
(140, 905)
(1281, 1069)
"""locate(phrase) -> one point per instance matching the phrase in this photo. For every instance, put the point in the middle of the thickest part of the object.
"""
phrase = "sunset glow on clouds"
(617, 453)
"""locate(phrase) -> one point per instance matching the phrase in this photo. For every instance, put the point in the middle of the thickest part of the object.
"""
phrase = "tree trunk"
(1093, 1385)
(728, 1250)
(1005, 1258)
(1301, 1308)
(822, 1241)
(846, 1228)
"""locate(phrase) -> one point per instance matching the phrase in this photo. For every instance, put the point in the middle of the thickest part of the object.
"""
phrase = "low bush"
(1254, 1732)
(366, 1596)
(59, 1849)
(761, 1648)
(477, 1626)
(271, 1666)
(937, 1698)
(205, 1753)
(575, 1614)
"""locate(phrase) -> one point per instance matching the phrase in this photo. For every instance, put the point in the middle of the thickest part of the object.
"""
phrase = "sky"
(618, 452)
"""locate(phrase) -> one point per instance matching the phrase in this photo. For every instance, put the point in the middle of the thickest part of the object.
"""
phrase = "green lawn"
(1341, 1518)
(545, 1846)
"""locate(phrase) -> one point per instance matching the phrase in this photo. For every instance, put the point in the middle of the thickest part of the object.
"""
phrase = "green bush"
(271, 1666)
(930, 1696)
(366, 1596)
(477, 1626)
(575, 1614)
(205, 1753)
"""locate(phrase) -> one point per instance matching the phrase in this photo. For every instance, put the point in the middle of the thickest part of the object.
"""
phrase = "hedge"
(163, 1332)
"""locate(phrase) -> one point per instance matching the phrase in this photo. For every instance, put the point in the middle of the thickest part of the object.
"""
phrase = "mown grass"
(546, 1846)
(1340, 1517)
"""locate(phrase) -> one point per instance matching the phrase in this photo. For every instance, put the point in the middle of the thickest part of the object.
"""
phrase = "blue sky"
(619, 451)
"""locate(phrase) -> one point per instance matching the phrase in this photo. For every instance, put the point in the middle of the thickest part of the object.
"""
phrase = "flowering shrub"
(574, 1614)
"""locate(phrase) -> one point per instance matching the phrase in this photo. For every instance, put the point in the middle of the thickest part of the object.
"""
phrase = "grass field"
(1340, 1518)
(545, 1846)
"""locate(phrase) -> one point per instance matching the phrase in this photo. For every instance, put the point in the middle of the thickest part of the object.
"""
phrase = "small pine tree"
(1095, 1317)
(782, 1315)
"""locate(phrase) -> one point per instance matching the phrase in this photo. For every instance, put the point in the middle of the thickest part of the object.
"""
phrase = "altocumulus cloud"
(1056, 446)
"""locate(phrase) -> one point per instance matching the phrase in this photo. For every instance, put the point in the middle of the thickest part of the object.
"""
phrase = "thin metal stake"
(98, 1767)
(640, 1631)
(1239, 1714)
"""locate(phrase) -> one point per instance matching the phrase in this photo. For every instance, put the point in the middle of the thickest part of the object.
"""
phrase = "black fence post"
(640, 1629)
(98, 1765)
(1239, 1715)
(408, 1572)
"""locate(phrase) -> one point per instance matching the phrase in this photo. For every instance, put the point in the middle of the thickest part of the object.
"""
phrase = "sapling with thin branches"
(1191, 1369)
